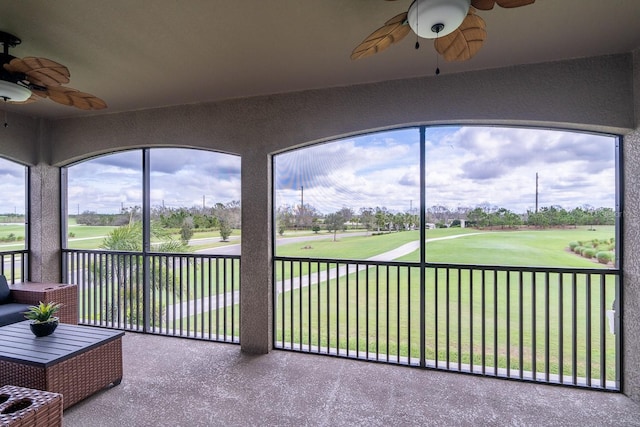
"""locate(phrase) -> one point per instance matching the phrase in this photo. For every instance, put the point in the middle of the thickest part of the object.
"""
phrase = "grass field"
(471, 317)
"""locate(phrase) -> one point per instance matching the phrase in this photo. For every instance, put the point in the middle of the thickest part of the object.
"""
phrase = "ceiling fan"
(458, 32)
(24, 80)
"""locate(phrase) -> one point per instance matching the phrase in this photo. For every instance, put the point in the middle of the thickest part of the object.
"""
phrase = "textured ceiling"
(146, 54)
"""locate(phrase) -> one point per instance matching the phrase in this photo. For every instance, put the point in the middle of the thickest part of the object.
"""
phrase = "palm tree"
(125, 269)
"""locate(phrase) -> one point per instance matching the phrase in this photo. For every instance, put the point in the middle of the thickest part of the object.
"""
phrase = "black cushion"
(12, 313)
(5, 292)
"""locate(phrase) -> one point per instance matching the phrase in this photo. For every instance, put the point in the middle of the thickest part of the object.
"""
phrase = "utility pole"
(301, 205)
(536, 192)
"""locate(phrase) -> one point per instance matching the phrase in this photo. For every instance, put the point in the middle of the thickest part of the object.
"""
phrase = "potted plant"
(43, 322)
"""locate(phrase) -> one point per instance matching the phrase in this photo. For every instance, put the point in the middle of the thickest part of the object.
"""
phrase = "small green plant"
(42, 312)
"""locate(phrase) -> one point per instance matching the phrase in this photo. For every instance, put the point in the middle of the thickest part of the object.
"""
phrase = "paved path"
(197, 306)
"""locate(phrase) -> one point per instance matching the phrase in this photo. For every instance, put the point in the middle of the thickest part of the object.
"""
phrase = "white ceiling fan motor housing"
(436, 18)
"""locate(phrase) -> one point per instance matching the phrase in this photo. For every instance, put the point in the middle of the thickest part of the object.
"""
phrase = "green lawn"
(542, 248)
(383, 302)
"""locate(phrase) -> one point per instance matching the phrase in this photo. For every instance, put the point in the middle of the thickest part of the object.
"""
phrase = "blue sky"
(466, 167)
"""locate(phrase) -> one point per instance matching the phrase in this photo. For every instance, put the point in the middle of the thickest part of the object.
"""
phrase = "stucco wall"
(631, 250)
(591, 94)
(19, 141)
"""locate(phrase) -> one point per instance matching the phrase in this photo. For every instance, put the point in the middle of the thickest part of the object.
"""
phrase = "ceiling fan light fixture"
(13, 92)
(436, 18)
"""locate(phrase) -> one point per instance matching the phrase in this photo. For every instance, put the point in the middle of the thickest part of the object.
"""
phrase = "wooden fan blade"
(465, 41)
(488, 4)
(513, 3)
(75, 98)
(40, 71)
(483, 4)
(392, 32)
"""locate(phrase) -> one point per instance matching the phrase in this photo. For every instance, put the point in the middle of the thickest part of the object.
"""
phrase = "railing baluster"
(358, 311)
(508, 326)
(377, 312)
(470, 322)
(495, 323)
(588, 329)
(603, 339)
(436, 305)
(367, 314)
(300, 317)
(447, 317)
(483, 302)
(561, 329)
(398, 330)
(574, 330)
(520, 324)
(534, 329)
(337, 308)
(459, 337)
(546, 327)
(387, 314)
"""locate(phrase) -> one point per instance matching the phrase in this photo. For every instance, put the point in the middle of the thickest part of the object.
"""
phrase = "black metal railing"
(552, 325)
(14, 265)
(187, 295)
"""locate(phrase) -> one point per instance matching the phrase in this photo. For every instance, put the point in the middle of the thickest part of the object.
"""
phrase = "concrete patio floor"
(179, 382)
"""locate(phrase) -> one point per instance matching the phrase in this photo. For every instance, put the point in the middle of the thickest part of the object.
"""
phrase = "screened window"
(193, 200)
(493, 195)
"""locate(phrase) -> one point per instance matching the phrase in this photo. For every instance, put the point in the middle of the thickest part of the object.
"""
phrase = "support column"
(631, 251)
(44, 227)
(256, 276)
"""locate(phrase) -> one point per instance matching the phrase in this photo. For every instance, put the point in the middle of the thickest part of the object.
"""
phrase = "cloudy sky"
(179, 178)
(466, 167)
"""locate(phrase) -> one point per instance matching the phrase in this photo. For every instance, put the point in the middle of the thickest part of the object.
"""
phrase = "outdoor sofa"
(11, 308)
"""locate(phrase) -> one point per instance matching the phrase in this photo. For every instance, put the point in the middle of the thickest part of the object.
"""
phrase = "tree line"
(221, 216)
(307, 217)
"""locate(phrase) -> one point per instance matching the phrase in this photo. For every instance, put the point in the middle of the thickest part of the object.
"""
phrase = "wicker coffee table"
(75, 361)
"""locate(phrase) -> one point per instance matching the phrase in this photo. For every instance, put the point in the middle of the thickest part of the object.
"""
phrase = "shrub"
(578, 249)
(589, 253)
(572, 245)
(604, 257)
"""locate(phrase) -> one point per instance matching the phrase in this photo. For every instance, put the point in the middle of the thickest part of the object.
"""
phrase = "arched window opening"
(490, 250)
(153, 241)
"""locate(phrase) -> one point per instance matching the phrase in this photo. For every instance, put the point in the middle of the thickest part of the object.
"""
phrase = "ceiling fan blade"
(75, 98)
(483, 4)
(40, 71)
(465, 41)
(392, 32)
(513, 3)
(488, 4)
